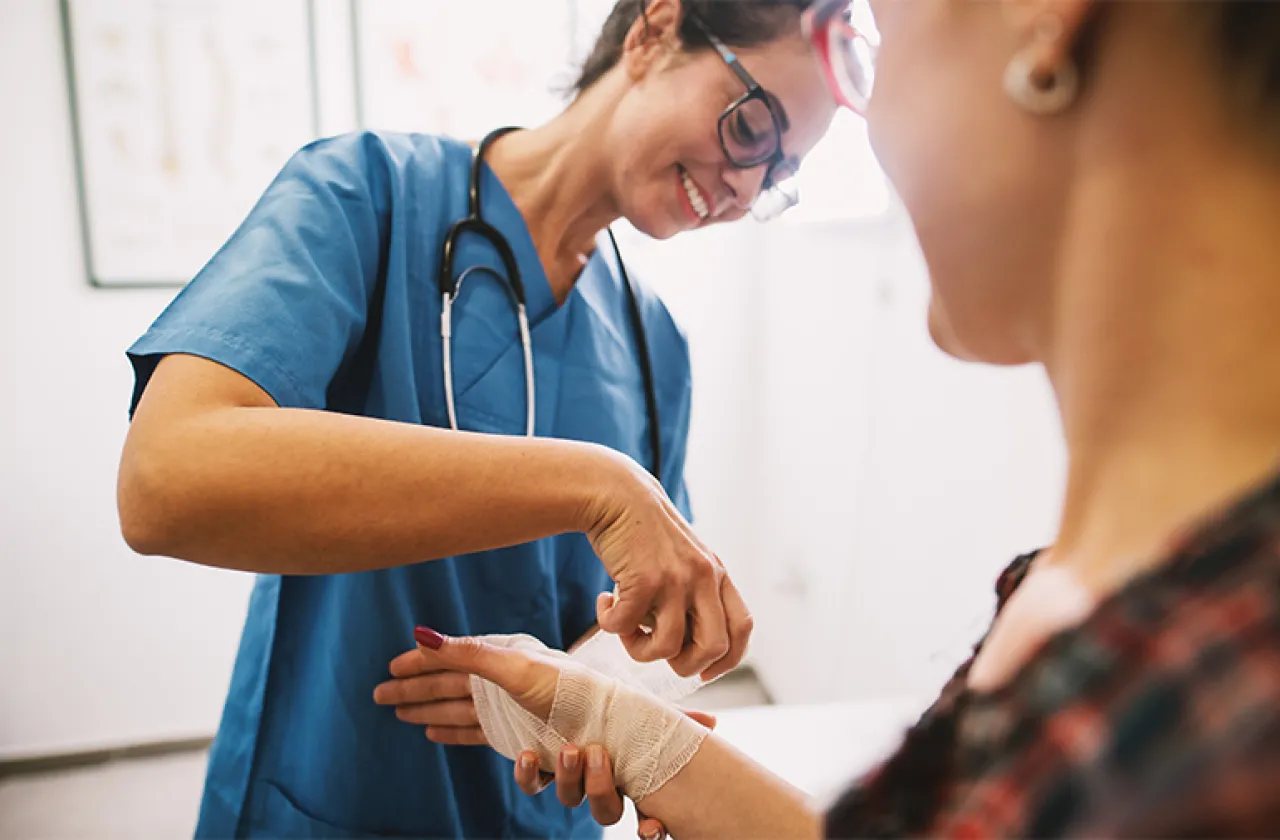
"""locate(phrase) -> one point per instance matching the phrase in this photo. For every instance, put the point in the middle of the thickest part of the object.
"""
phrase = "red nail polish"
(428, 638)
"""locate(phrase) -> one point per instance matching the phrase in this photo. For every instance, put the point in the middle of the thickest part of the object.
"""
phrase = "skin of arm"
(722, 793)
(215, 473)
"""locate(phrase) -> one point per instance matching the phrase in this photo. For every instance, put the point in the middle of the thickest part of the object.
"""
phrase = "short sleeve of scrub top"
(285, 301)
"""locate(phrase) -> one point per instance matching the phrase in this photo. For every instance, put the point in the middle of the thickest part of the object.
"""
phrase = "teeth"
(695, 196)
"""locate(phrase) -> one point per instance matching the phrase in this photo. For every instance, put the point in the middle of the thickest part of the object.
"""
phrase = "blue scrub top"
(343, 248)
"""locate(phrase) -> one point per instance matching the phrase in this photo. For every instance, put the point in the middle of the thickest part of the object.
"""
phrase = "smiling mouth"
(701, 207)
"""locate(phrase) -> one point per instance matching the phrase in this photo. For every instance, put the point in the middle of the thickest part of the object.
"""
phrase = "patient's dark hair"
(1248, 44)
(739, 23)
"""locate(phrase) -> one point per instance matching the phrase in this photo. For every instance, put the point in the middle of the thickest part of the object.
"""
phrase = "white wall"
(896, 482)
(101, 647)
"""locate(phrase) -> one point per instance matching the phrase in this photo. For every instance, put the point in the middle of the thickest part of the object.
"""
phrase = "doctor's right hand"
(673, 599)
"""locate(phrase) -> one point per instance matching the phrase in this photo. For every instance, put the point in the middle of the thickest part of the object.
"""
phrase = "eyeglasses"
(848, 54)
(751, 130)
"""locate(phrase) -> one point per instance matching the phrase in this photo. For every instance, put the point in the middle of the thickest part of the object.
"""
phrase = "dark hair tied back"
(1249, 44)
(739, 23)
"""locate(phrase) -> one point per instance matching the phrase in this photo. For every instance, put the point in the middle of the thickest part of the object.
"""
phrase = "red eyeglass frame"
(817, 23)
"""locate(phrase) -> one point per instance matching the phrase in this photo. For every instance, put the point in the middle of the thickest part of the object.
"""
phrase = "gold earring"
(1030, 87)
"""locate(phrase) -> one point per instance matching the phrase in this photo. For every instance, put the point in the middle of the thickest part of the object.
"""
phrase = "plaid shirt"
(1158, 716)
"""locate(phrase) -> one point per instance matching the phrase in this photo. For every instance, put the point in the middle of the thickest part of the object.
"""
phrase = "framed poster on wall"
(461, 68)
(183, 112)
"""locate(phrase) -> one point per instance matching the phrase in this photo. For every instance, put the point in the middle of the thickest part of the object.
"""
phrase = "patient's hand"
(587, 772)
(520, 671)
(427, 694)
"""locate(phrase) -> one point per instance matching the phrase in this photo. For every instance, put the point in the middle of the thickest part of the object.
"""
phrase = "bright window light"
(841, 179)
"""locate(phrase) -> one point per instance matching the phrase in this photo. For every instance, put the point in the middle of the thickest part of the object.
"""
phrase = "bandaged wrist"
(648, 740)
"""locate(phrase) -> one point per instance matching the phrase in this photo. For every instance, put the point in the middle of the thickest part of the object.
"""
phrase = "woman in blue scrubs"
(290, 419)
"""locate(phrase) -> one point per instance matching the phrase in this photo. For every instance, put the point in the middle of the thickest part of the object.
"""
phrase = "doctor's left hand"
(437, 699)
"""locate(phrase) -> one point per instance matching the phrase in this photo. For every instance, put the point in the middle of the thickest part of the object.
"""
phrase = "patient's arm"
(723, 793)
(719, 792)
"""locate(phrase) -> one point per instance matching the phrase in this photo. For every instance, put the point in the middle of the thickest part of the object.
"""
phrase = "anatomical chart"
(461, 69)
(185, 110)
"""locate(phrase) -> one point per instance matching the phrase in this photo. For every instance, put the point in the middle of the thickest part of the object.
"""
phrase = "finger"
(740, 625)
(428, 688)
(569, 788)
(444, 713)
(528, 777)
(500, 666)
(707, 720)
(457, 736)
(709, 627)
(602, 793)
(649, 828)
(668, 636)
(622, 614)
(410, 664)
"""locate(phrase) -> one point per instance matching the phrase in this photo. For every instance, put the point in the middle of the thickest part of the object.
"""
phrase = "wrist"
(609, 480)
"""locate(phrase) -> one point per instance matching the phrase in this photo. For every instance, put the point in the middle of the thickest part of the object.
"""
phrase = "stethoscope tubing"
(451, 288)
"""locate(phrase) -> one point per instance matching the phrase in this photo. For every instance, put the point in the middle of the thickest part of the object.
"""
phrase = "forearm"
(308, 492)
(722, 793)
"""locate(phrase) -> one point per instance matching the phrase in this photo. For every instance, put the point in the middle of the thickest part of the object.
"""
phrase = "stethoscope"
(450, 288)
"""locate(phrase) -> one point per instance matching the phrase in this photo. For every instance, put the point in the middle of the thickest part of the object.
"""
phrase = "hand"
(440, 700)
(426, 694)
(666, 580)
(594, 782)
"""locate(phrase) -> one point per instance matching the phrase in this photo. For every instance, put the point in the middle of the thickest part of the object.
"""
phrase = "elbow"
(146, 523)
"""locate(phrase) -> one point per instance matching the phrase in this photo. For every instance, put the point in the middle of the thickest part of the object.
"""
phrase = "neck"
(1165, 354)
(556, 176)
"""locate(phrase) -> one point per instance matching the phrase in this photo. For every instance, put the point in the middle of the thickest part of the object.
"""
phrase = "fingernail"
(651, 836)
(526, 761)
(595, 758)
(428, 638)
(570, 759)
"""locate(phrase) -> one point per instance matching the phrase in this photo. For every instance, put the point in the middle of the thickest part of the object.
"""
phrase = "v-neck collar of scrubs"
(501, 211)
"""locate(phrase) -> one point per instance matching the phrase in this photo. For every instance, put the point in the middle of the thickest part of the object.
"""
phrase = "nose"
(744, 184)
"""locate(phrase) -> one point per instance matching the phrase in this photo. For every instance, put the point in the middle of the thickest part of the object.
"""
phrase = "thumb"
(620, 614)
(500, 666)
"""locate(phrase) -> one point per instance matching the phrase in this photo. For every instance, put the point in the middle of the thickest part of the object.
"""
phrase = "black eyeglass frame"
(775, 159)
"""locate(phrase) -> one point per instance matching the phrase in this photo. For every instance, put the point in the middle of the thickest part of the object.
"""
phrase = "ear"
(654, 36)
(1047, 30)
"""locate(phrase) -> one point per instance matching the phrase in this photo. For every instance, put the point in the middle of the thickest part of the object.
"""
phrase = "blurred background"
(864, 489)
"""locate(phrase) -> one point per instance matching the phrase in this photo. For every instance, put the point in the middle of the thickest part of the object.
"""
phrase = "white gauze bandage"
(648, 739)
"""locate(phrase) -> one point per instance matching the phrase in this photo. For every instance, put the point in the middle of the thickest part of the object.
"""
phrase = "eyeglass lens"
(749, 134)
(849, 38)
(855, 62)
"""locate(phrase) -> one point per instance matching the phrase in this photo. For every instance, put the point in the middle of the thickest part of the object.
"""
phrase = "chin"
(661, 228)
(981, 344)
(943, 336)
